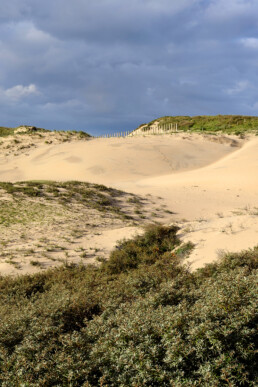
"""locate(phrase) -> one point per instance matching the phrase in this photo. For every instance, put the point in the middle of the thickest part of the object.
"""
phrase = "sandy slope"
(114, 160)
(230, 182)
(220, 202)
(209, 183)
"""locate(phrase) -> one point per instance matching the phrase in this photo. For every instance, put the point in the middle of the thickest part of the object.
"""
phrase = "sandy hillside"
(44, 224)
(209, 182)
(114, 160)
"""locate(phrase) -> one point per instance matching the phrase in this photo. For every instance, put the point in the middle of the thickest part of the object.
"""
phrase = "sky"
(110, 65)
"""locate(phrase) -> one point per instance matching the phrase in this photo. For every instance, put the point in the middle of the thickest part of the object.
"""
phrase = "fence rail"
(116, 134)
(158, 129)
(161, 129)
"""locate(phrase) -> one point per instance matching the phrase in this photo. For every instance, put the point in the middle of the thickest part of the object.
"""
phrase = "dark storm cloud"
(112, 64)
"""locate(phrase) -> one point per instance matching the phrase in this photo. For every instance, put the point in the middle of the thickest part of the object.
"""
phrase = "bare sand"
(210, 183)
(113, 160)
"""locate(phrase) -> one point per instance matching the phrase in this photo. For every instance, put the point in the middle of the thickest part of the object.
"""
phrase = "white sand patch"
(214, 237)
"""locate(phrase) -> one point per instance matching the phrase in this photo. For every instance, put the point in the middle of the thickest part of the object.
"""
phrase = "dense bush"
(146, 249)
(147, 321)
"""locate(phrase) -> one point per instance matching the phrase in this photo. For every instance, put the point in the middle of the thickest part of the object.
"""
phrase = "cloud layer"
(111, 65)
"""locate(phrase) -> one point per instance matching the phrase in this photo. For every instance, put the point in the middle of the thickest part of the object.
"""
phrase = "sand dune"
(211, 183)
(227, 183)
(114, 160)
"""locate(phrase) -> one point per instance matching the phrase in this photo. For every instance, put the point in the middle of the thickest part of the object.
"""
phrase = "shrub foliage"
(139, 319)
(231, 124)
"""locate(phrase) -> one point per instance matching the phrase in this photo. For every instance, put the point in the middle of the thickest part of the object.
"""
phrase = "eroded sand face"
(209, 183)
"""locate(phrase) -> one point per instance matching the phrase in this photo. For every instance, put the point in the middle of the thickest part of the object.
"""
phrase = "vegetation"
(139, 319)
(72, 194)
(4, 131)
(48, 221)
(231, 124)
(91, 195)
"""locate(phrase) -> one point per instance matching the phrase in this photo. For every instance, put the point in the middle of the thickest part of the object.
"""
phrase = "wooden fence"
(158, 129)
(116, 134)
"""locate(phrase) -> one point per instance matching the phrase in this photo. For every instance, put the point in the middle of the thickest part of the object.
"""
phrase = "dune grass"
(231, 124)
(55, 218)
(94, 196)
(81, 195)
(139, 319)
(5, 131)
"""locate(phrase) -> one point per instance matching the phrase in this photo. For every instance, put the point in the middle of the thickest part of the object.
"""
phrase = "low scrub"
(140, 319)
(231, 124)
(94, 196)
(5, 131)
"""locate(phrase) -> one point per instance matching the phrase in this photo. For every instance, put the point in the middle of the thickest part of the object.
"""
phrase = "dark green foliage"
(146, 321)
(233, 124)
(146, 249)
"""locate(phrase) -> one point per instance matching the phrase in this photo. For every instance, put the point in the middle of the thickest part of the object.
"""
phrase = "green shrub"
(145, 249)
(226, 123)
(140, 319)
